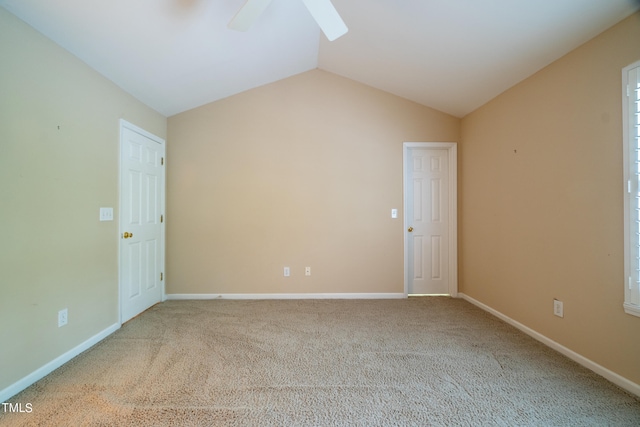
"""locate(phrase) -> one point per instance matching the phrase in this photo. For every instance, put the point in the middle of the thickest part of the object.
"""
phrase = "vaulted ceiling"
(452, 55)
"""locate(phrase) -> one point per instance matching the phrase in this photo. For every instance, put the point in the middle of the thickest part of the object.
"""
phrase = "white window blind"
(631, 139)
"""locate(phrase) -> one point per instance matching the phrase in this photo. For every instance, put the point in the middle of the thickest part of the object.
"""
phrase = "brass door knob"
(410, 229)
(127, 235)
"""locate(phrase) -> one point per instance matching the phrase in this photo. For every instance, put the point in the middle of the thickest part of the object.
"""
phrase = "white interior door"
(142, 189)
(430, 249)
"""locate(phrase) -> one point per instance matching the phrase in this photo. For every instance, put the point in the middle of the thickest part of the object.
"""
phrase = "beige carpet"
(416, 362)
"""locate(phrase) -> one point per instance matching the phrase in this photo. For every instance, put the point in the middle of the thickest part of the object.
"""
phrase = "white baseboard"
(287, 296)
(618, 380)
(45, 370)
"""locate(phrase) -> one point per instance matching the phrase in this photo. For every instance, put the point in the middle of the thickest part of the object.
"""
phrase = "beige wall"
(541, 202)
(301, 172)
(59, 136)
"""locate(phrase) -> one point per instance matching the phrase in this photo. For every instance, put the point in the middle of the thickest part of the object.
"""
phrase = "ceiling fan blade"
(248, 14)
(327, 18)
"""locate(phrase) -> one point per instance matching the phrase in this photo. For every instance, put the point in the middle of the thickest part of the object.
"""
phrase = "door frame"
(127, 125)
(452, 155)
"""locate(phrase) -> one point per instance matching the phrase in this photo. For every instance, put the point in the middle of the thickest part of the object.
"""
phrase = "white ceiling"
(452, 55)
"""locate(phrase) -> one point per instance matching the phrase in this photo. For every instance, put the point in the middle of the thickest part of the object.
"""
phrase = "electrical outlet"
(62, 317)
(558, 308)
(307, 271)
(287, 272)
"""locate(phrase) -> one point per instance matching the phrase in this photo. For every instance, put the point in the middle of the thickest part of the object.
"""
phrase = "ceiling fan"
(322, 11)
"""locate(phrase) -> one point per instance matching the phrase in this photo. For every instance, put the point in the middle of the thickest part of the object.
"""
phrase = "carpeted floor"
(415, 362)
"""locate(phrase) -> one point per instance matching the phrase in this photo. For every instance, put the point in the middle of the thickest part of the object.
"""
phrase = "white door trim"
(127, 125)
(452, 151)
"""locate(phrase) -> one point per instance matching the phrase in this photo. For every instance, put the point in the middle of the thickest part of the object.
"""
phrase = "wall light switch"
(394, 213)
(106, 214)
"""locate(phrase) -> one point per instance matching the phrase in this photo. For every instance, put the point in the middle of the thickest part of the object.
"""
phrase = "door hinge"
(161, 218)
(161, 276)
(162, 161)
